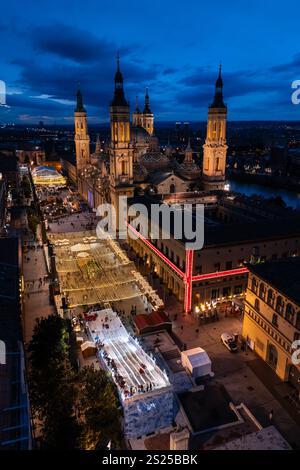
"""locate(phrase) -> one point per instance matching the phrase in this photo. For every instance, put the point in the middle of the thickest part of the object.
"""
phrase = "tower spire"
(119, 97)
(147, 109)
(218, 101)
(79, 103)
(188, 154)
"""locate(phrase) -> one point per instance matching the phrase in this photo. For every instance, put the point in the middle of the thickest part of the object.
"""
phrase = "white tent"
(196, 361)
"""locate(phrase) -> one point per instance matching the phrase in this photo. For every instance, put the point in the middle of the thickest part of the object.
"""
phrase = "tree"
(99, 408)
(76, 409)
(52, 383)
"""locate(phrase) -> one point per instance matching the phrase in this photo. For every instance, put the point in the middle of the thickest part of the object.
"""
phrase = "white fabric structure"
(196, 361)
(132, 363)
(47, 176)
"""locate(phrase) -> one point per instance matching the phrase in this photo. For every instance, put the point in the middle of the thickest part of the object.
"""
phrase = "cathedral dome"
(139, 135)
(154, 160)
(140, 173)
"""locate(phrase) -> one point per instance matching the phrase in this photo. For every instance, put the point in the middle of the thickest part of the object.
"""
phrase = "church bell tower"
(82, 139)
(121, 150)
(215, 148)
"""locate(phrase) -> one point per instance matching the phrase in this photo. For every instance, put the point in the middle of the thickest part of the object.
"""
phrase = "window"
(172, 188)
(254, 285)
(270, 298)
(256, 304)
(275, 320)
(289, 313)
(298, 321)
(262, 291)
(228, 265)
(279, 305)
(217, 266)
(238, 289)
(215, 293)
(226, 291)
(296, 336)
(199, 269)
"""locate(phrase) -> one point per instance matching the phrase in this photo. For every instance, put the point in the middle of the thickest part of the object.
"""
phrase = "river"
(291, 198)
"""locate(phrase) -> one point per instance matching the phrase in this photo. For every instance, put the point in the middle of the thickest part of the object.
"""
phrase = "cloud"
(288, 67)
(68, 42)
(59, 56)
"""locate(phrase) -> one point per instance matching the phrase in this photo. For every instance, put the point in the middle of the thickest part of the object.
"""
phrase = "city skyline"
(177, 57)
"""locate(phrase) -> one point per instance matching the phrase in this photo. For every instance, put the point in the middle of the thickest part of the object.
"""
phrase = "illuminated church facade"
(134, 161)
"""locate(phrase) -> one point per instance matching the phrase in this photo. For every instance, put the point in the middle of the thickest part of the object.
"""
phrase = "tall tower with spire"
(82, 139)
(215, 148)
(148, 116)
(121, 150)
(137, 116)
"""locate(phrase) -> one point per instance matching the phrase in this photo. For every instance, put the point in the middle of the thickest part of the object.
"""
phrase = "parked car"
(229, 341)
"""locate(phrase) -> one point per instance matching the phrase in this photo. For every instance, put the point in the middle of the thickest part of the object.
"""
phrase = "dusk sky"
(173, 47)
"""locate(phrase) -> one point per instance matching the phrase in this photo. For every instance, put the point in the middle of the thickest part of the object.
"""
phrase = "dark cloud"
(72, 43)
(170, 71)
(288, 67)
(65, 55)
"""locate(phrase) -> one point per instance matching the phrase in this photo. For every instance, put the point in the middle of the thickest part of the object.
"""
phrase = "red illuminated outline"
(230, 272)
(189, 257)
(188, 275)
(153, 248)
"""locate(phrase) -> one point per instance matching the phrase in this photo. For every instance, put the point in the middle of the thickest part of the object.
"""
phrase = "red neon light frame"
(188, 275)
(230, 272)
(153, 248)
(189, 257)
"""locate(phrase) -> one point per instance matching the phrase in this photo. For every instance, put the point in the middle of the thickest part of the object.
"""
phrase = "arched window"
(262, 291)
(298, 321)
(272, 356)
(254, 285)
(289, 313)
(271, 297)
(172, 188)
(279, 305)
(256, 304)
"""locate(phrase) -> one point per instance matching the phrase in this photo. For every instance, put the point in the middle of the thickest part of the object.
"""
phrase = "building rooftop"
(252, 225)
(264, 439)
(283, 275)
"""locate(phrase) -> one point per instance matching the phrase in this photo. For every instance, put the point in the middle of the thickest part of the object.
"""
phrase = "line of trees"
(75, 409)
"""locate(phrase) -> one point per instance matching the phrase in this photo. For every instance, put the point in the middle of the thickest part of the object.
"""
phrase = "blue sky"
(173, 47)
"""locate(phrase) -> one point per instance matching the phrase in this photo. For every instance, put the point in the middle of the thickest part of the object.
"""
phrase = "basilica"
(133, 162)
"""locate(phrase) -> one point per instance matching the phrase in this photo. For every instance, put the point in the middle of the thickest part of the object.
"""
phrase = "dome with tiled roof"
(154, 160)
